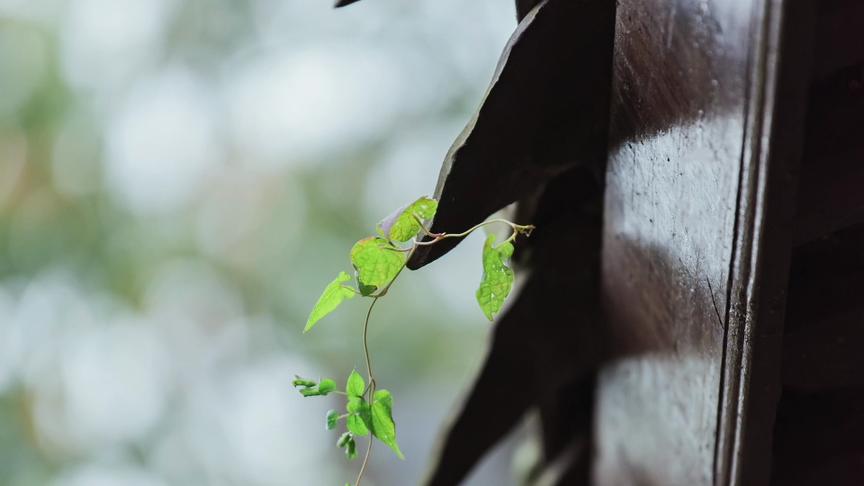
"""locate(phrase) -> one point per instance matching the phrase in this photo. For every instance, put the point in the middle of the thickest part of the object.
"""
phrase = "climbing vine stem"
(378, 261)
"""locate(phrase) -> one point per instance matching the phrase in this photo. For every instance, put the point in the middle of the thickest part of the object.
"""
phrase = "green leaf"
(355, 423)
(312, 389)
(497, 277)
(332, 419)
(355, 387)
(330, 299)
(346, 440)
(402, 225)
(343, 440)
(351, 449)
(383, 426)
(359, 413)
(354, 404)
(326, 386)
(302, 382)
(377, 263)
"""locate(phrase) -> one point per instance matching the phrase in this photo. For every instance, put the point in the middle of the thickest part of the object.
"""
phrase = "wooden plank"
(838, 35)
(819, 438)
(679, 94)
(824, 332)
(827, 279)
(826, 354)
(833, 173)
(693, 298)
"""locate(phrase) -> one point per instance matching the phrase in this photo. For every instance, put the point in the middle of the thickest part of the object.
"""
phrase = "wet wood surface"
(694, 299)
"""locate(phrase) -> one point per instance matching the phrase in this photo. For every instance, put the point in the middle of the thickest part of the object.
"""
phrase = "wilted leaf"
(330, 299)
(377, 262)
(497, 277)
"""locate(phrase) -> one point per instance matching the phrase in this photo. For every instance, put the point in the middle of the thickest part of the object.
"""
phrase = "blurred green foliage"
(176, 176)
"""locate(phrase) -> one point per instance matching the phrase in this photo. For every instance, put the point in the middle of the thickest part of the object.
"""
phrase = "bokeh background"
(179, 179)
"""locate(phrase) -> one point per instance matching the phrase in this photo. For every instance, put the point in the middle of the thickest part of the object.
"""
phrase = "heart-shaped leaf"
(403, 224)
(333, 295)
(497, 277)
(377, 263)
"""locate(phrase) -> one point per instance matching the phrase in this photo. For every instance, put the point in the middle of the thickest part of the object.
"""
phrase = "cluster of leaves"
(363, 418)
(377, 261)
(310, 388)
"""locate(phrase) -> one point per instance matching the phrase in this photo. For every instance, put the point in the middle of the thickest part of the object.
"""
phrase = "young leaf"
(326, 386)
(383, 426)
(332, 419)
(312, 389)
(377, 262)
(298, 382)
(402, 225)
(351, 450)
(359, 413)
(355, 423)
(330, 299)
(355, 387)
(497, 277)
(343, 440)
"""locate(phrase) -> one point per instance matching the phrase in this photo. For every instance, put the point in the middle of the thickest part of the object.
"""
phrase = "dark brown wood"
(545, 112)
(831, 197)
(523, 7)
(672, 185)
(708, 115)
(827, 354)
(539, 138)
(546, 346)
(820, 438)
(820, 424)
(838, 35)
(752, 370)
(826, 281)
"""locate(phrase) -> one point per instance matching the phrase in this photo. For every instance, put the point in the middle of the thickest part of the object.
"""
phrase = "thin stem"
(517, 228)
(370, 388)
(365, 461)
(366, 341)
(352, 289)
(426, 230)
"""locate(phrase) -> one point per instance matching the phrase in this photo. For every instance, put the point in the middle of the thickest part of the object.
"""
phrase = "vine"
(378, 261)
